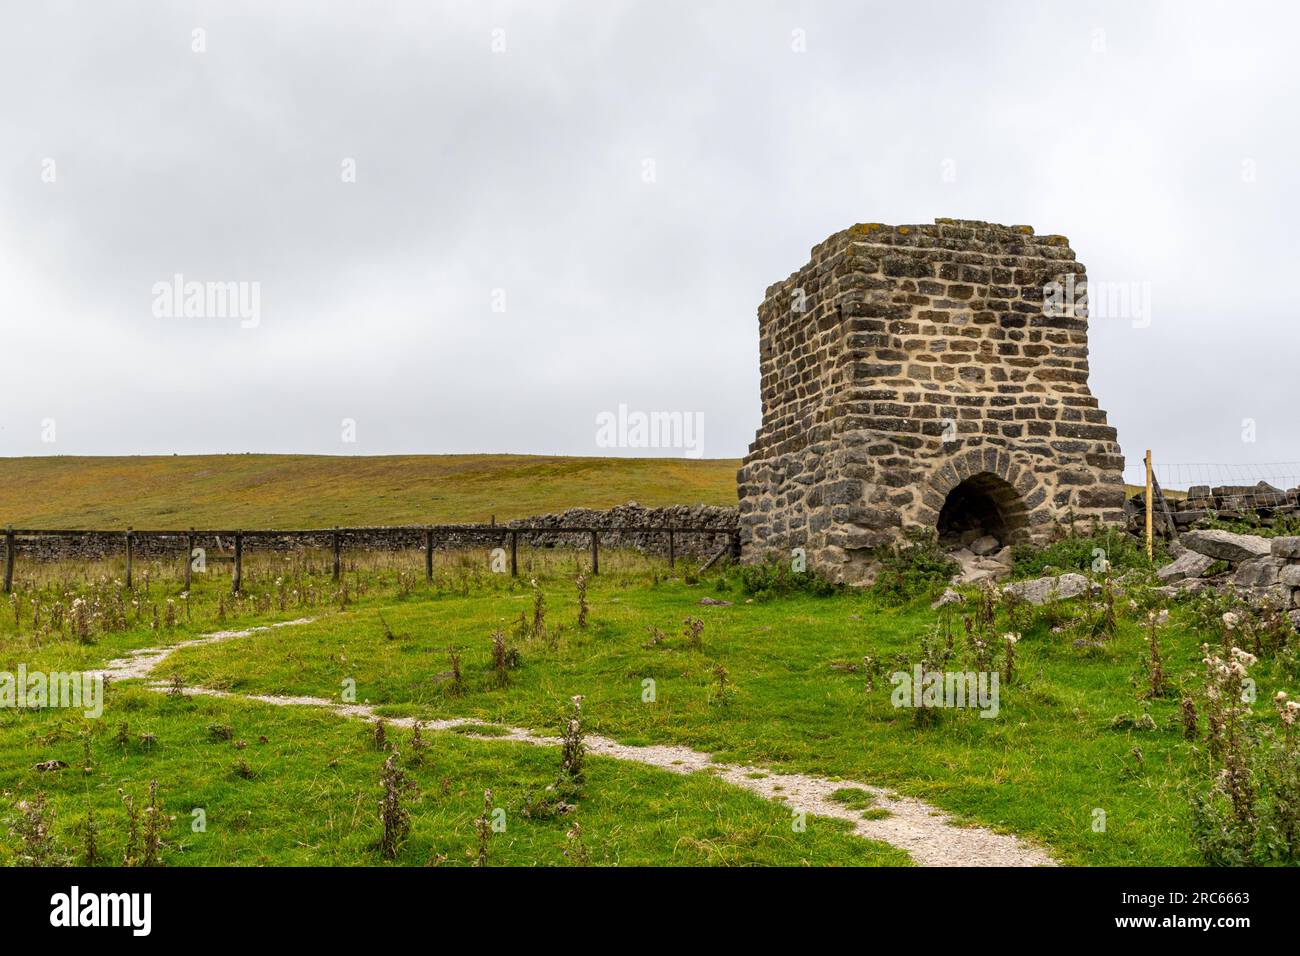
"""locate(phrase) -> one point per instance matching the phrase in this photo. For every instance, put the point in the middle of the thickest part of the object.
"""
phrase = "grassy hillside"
(287, 491)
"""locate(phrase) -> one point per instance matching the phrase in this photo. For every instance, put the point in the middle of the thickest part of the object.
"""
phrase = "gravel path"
(926, 833)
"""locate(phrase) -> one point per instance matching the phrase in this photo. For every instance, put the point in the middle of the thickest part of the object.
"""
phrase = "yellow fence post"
(1150, 542)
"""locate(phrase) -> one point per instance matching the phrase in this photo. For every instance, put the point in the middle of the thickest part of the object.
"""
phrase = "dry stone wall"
(147, 546)
(931, 377)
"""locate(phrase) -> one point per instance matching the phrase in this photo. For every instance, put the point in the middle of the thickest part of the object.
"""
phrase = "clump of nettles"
(778, 576)
(392, 815)
(583, 608)
(917, 566)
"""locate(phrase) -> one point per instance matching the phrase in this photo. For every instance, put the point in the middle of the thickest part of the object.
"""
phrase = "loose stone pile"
(1263, 570)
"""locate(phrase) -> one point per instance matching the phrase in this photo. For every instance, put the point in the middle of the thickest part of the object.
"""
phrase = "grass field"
(311, 491)
(1069, 739)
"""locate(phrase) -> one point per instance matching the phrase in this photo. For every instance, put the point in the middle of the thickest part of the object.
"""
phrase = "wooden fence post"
(595, 553)
(239, 562)
(336, 553)
(428, 554)
(672, 549)
(128, 558)
(514, 554)
(189, 558)
(1150, 542)
(9, 559)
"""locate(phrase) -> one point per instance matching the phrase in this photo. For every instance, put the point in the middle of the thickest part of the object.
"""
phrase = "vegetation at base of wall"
(1085, 553)
(917, 567)
(776, 576)
(1278, 526)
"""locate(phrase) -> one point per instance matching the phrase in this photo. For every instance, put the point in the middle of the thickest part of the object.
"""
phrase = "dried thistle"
(32, 830)
(574, 849)
(583, 608)
(131, 851)
(572, 746)
(89, 839)
(418, 744)
(394, 817)
(724, 691)
(1191, 730)
(499, 657)
(152, 829)
(457, 682)
(539, 611)
(483, 829)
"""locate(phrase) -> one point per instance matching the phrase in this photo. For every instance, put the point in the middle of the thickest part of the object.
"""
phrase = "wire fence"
(1231, 490)
(427, 538)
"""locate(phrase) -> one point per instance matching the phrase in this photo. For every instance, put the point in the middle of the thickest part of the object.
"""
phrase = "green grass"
(1039, 770)
(314, 791)
(797, 701)
(312, 491)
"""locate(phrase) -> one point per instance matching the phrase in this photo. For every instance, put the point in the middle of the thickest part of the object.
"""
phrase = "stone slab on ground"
(1226, 545)
(1189, 564)
(1042, 590)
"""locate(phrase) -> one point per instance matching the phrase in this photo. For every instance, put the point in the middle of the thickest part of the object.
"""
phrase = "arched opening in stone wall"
(983, 505)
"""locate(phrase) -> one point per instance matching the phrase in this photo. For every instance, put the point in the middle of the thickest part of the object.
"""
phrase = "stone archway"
(982, 489)
(979, 507)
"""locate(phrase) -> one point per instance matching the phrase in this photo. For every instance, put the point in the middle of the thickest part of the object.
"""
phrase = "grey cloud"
(522, 171)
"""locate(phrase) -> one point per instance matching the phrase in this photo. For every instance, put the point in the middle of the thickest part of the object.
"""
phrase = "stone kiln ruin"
(928, 377)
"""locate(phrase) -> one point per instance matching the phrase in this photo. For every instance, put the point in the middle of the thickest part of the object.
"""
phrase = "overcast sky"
(561, 208)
